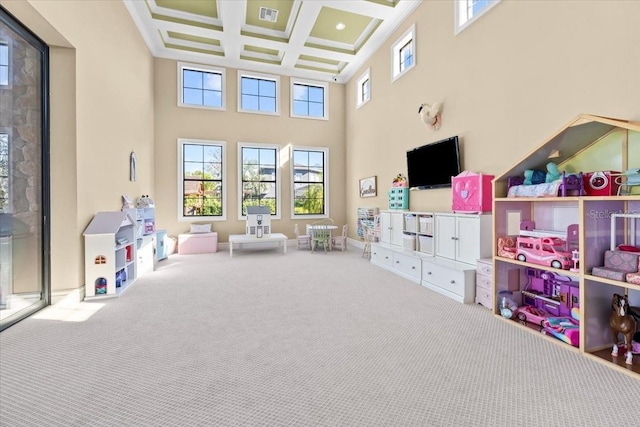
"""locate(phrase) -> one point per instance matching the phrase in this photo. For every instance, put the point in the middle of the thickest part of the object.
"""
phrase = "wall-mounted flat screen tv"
(433, 165)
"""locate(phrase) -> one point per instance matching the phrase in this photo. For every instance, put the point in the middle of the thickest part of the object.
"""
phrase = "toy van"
(549, 251)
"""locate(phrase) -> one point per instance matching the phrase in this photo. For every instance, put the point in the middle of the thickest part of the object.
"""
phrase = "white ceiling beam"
(232, 14)
(304, 24)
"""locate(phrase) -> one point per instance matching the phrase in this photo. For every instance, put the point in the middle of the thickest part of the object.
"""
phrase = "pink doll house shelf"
(471, 192)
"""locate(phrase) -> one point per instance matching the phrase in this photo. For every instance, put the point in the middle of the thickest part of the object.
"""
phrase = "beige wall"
(173, 122)
(508, 82)
(101, 110)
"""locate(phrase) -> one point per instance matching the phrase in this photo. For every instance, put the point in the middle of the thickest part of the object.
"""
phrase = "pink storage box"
(197, 243)
(471, 192)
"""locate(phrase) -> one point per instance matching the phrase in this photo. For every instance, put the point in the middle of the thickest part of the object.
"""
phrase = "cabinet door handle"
(428, 272)
(452, 282)
(413, 267)
(397, 262)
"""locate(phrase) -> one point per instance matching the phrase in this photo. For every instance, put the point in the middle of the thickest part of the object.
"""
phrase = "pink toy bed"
(566, 185)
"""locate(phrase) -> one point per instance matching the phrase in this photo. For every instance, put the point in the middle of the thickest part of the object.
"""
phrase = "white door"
(397, 222)
(385, 227)
(445, 236)
(468, 235)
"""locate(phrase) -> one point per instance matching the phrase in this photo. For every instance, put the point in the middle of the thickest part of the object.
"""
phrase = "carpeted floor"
(267, 339)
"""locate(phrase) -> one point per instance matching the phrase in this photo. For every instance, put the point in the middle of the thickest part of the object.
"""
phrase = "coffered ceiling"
(299, 38)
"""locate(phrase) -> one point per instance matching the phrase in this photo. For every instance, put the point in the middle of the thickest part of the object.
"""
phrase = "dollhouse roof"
(108, 222)
(577, 135)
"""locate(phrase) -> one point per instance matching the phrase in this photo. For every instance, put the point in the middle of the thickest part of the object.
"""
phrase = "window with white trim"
(258, 177)
(4, 64)
(310, 181)
(258, 93)
(201, 180)
(5, 186)
(403, 53)
(201, 86)
(468, 11)
(364, 88)
(309, 99)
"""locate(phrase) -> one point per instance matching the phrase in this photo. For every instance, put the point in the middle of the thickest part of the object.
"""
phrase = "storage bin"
(410, 223)
(426, 224)
(409, 242)
(197, 243)
(425, 244)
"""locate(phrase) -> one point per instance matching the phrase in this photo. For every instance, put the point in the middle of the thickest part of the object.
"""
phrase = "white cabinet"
(449, 278)
(109, 254)
(463, 237)
(145, 226)
(391, 225)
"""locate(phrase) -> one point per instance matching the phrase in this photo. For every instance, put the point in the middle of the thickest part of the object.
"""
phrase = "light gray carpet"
(267, 339)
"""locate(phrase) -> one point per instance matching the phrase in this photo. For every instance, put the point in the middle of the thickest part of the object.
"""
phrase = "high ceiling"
(288, 37)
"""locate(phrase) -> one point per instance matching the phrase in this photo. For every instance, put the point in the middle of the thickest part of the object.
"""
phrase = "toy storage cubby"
(110, 254)
(145, 226)
(586, 144)
(399, 198)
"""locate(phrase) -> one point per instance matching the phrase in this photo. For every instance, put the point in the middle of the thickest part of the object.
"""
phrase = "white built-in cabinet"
(145, 219)
(438, 250)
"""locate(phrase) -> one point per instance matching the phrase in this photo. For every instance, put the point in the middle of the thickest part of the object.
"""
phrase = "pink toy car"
(531, 314)
(547, 251)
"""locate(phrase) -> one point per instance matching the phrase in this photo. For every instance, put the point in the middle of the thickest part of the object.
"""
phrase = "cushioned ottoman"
(617, 264)
(197, 243)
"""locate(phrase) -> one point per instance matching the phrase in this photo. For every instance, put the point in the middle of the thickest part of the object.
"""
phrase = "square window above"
(309, 99)
(201, 86)
(258, 93)
(468, 11)
(403, 53)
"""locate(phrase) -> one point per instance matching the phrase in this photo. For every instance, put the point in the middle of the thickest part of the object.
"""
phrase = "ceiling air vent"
(267, 14)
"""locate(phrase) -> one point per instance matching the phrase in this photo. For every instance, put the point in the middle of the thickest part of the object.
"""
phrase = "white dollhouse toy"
(258, 221)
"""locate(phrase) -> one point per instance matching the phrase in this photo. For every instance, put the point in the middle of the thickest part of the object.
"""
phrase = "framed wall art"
(368, 187)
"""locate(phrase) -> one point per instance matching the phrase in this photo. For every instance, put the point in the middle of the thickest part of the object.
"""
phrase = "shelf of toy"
(611, 282)
(538, 266)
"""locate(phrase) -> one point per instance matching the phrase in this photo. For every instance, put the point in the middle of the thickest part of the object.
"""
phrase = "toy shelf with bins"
(586, 144)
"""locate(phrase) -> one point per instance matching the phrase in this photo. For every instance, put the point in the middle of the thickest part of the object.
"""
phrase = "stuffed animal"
(553, 173)
(532, 176)
(430, 115)
(399, 181)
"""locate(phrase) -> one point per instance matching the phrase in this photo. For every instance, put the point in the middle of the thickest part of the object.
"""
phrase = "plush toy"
(552, 172)
(532, 176)
(399, 181)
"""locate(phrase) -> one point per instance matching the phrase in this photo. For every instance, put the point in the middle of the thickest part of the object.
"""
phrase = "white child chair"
(302, 240)
(340, 242)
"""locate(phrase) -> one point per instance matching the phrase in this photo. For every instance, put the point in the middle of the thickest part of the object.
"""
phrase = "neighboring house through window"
(201, 86)
(202, 173)
(468, 11)
(310, 175)
(259, 177)
(403, 53)
(364, 88)
(258, 93)
(309, 99)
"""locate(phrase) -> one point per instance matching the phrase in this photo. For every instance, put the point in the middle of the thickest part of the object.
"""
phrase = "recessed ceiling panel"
(328, 18)
(206, 8)
(192, 38)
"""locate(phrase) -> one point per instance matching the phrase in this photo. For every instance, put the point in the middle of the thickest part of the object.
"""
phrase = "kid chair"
(302, 240)
(340, 241)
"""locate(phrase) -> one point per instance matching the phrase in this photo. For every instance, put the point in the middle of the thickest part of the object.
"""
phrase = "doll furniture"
(568, 184)
(471, 192)
(617, 264)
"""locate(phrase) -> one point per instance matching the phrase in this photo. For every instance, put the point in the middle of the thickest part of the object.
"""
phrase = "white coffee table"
(239, 239)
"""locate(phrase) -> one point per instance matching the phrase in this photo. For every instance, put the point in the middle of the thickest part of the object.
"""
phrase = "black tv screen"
(433, 165)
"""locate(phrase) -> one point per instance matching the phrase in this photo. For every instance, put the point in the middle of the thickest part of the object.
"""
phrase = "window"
(467, 11)
(202, 172)
(4, 64)
(201, 86)
(309, 171)
(4, 173)
(364, 88)
(309, 99)
(259, 177)
(403, 53)
(258, 93)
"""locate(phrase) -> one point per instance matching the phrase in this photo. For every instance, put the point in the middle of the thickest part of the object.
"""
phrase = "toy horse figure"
(622, 322)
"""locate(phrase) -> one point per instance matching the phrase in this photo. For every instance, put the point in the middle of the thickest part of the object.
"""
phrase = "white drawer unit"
(484, 278)
(381, 256)
(407, 266)
(451, 279)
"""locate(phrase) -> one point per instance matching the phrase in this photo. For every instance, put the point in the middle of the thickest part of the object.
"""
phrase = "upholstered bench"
(197, 243)
(617, 265)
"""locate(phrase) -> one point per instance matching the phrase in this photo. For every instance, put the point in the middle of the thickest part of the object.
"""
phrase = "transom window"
(258, 93)
(202, 174)
(201, 86)
(259, 177)
(364, 88)
(4, 64)
(309, 170)
(403, 53)
(309, 99)
(468, 11)
(4, 172)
